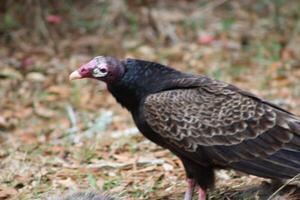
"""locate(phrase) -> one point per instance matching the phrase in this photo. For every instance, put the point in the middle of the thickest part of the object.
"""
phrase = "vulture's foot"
(190, 189)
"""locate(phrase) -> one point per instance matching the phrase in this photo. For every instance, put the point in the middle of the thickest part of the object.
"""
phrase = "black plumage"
(208, 124)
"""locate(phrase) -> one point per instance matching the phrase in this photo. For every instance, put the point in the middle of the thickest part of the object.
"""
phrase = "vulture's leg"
(201, 194)
(190, 189)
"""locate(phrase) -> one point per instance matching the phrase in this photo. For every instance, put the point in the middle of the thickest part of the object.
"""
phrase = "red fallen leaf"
(54, 19)
(25, 62)
(205, 39)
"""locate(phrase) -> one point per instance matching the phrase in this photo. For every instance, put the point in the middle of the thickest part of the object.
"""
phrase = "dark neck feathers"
(140, 79)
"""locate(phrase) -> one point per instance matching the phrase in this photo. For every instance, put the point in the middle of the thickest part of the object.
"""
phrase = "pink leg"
(201, 194)
(189, 192)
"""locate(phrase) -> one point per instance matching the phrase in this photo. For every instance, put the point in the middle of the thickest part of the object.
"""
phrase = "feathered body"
(209, 124)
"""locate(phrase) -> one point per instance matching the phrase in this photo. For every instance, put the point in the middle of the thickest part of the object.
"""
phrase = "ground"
(58, 136)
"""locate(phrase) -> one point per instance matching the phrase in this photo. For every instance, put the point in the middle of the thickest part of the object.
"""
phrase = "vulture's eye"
(99, 72)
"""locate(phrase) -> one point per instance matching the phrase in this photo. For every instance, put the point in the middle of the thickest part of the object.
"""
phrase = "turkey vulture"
(207, 123)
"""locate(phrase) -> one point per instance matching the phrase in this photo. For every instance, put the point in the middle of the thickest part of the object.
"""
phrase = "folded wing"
(233, 128)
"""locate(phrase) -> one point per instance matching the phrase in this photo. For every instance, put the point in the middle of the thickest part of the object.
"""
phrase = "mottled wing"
(230, 125)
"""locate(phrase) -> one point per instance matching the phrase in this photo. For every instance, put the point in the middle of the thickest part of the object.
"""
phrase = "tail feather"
(289, 163)
(278, 167)
(245, 167)
(284, 164)
(258, 169)
(289, 155)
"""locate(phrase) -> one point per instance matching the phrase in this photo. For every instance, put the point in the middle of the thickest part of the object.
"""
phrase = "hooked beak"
(75, 75)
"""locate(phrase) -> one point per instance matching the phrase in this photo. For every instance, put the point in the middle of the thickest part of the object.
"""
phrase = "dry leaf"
(36, 77)
(61, 91)
(43, 111)
(3, 122)
(68, 183)
(7, 192)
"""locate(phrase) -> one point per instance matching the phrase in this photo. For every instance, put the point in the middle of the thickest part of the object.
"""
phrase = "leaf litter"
(58, 136)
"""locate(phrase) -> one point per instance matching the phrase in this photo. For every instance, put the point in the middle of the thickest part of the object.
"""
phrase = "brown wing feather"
(236, 126)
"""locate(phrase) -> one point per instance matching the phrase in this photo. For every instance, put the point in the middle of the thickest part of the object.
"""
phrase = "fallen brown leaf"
(7, 192)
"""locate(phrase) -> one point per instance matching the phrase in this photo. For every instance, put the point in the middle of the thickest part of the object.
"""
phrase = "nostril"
(83, 70)
(103, 70)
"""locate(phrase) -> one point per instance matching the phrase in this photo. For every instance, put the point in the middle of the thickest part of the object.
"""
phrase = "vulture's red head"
(107, 69)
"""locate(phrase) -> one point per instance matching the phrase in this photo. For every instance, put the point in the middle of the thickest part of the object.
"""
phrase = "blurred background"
(57, 136)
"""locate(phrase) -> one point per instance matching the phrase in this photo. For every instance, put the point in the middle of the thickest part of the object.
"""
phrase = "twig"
(115, 165)
(279, 189)
(209, 7)
(213, 5)
(72, 118)
(127, 132)
(100, 124)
